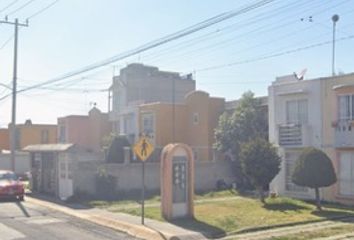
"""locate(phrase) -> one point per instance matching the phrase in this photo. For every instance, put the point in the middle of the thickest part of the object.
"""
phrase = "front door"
(65, 177)
(48, 172)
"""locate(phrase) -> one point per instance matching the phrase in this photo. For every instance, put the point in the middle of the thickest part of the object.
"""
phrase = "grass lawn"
(332, 231)
(232, 214)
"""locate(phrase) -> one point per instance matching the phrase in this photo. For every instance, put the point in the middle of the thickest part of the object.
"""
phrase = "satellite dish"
(301, 75)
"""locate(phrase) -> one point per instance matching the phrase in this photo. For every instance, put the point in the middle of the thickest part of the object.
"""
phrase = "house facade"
(338, 133)
(29, 133)
(316, 113)
(87, 131)
(4, 139)
(139, 84)
(192, 122)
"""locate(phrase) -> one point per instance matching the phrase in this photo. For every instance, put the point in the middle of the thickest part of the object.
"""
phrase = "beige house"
(338, 133)
(318, 113)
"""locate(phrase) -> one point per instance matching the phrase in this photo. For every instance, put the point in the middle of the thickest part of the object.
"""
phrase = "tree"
(260, 163)
(116, 149)
(314, 169)
(248, 121)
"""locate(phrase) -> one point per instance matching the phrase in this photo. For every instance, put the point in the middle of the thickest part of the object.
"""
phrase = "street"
(23, 220)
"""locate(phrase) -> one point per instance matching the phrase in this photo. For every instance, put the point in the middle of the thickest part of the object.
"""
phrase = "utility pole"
(173, 110)
(335, 19)
(14, 91)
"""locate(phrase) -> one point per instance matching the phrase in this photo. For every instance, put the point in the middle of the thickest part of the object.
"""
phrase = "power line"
(273, 55)
(43, 9)
(257, 59)
(231, 28)
(262, 29)
(28, 18)
(21, 7)
(187, 31)
(8, 6)
(7, 42)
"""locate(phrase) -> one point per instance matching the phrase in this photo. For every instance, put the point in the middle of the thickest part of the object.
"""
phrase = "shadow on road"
(23, 209)
(52, 199)
(18, 204)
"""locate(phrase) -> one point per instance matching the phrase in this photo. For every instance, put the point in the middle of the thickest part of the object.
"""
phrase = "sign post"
(143, 149)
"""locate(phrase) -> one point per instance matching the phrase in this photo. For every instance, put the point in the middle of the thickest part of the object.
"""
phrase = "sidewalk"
(129, 224)
(163, 230)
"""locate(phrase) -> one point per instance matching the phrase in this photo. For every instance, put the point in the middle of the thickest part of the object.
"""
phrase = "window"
(45, 136)
(128, 124)
(290, 160)
(346, 107)
(346, 174)
(296, 111)
(195, 118)
(148, 124)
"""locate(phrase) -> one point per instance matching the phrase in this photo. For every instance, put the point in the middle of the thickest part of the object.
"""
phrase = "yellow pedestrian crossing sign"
(143, 148)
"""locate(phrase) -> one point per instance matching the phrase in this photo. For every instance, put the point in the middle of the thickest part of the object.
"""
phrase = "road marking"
(42, 220)
(7, 233)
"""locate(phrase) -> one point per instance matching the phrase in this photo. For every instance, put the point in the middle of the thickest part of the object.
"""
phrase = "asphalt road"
(26, 221)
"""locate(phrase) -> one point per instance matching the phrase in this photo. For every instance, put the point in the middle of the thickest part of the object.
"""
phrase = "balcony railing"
(344, 133)
(296, 135)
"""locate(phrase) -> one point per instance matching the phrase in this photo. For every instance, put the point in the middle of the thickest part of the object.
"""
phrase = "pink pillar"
(167, 155)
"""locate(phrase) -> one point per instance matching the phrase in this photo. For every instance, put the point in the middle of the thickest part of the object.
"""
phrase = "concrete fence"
(128, 177)
(22, 162)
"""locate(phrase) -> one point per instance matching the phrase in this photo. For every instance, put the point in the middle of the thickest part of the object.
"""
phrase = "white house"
(295, 122)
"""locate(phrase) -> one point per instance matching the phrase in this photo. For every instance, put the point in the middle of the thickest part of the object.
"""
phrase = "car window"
(8, 176)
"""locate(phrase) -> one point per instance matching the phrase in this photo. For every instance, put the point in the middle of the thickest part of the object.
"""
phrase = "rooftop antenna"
(301, 75)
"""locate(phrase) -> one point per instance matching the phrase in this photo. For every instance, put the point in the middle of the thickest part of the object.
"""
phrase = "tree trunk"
(261, 194)
(318, 201)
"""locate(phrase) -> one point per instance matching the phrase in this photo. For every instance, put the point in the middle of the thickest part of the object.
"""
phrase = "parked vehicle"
(10, 186)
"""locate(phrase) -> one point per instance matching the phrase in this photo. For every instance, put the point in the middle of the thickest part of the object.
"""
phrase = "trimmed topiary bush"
(314, 169)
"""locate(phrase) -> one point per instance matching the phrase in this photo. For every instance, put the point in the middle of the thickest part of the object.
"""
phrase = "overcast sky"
(244, 53)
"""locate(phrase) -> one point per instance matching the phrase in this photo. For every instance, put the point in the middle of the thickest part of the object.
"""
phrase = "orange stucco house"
(4, 139)
(86, 131)
(29, 133)
(191, 122)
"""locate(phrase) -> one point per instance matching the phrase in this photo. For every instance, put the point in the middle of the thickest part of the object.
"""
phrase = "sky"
(246, 52)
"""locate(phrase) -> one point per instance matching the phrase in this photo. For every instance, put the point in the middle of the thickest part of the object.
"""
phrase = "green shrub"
(314, 169)
(116, 150)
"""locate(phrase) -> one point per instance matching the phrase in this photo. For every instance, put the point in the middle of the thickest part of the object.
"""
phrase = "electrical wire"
(192, 29)
(8, 6)
(7, 42)
(21, 7)
(43, 9)
(259, 30)
(273, 55)
(30, 17)
(235, 27)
